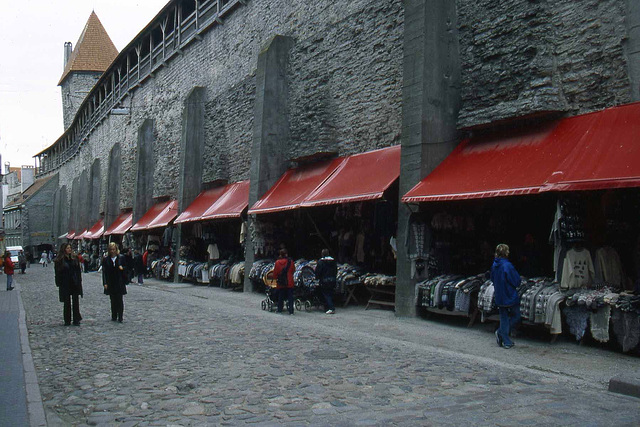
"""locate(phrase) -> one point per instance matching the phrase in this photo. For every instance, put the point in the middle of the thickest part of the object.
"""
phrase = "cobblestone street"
(188, 355)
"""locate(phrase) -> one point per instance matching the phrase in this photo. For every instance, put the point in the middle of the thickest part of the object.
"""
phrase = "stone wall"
(351, 50)
(39, 215)
(74, 90)
(522, 57)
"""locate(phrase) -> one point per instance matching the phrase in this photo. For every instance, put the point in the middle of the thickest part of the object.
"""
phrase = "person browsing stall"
(283, 274)
(326, 272)
(505, 280)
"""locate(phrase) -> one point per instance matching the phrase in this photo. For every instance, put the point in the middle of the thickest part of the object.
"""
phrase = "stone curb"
(35, 408)
(628, 384)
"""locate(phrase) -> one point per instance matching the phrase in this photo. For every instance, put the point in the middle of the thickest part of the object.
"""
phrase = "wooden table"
(381, 295)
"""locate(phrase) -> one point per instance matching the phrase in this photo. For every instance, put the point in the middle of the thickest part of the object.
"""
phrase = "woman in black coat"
(69, 282)
(114, 279)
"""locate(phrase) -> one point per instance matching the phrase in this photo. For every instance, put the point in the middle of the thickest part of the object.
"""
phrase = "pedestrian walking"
(138, 266)
(283, 273)
(69, 282)
(8, 270)
(326, 273)
(114, 279)
(505, 280)
(44, 259)
(22, 262)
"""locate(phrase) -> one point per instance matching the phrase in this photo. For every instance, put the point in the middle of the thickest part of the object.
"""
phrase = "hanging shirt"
(577, 270)
(608, 266)
(213, 251)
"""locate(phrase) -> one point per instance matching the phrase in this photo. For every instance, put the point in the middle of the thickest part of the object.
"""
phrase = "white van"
(14, 251)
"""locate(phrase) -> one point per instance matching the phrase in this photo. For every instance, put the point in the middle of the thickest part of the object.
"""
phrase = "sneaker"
(508, 346)
(330, 312)
(498, 339)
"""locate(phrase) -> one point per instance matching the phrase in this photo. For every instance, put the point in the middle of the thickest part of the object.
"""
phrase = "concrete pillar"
(632, 20)
(270, 128)
(74, 222)
(94, 195)
(430, 104)
(112, 205)
(191, 157)
(146, 167)
(84, 202)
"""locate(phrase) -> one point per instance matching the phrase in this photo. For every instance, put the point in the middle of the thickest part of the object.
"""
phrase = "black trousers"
(288, 294)
(117, 306)
(69, 302)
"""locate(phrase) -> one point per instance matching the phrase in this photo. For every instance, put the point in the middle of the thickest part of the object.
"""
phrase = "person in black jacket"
(326, 272)
(114, 279)
(69, 282)
(138, 266)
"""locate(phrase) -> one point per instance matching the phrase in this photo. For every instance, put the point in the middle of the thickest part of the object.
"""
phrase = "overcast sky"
(32, 37)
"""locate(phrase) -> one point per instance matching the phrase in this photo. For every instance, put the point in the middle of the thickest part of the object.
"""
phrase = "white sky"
(32, 37)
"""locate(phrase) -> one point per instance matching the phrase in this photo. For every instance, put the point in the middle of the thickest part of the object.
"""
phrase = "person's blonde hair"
(502, 251)
(114, 245)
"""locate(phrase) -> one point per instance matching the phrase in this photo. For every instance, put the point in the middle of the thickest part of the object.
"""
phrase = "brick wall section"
(521, 57)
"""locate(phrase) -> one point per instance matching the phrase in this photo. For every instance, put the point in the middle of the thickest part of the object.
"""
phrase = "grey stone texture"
(37, 216)
(271, 127)
(524, 57)
(431, 94)
(355, 76)
(95, 191)
(144, 182)
(195, 355)
(74, 90)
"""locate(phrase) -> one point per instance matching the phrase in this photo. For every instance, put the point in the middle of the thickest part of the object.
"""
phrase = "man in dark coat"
(68, 278)
(139, 267)
(114, 279)
(326, 272)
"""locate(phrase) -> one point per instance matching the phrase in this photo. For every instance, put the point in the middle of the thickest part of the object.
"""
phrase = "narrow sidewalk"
(20, 399)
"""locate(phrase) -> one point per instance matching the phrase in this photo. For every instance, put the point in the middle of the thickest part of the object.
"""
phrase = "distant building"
(28, 217)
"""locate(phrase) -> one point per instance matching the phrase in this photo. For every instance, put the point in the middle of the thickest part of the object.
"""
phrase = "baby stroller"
(270, 303)
(306, 293)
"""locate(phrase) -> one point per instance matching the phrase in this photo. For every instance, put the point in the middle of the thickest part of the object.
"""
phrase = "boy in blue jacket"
(505, 280)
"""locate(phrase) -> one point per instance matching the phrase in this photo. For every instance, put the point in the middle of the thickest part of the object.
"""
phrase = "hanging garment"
(600, 323)
(553, 318)
(626, 327)
(213, 251)
(577, 320)
(578, 270)
(608, 266)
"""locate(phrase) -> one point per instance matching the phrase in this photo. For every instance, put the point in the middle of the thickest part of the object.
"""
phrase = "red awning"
(96, 231)
(606, 153)
(71, 235)
(160, 215)
(294, 186)
(121, 225)
(231, 204)
(514, 163)
(80, 236)
(359, 177)
(201, 203)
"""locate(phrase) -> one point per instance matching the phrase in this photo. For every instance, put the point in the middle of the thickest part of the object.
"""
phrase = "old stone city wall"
(517, 57)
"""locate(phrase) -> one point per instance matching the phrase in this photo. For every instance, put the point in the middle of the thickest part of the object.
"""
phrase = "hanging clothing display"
(608, 266)
(577, 270)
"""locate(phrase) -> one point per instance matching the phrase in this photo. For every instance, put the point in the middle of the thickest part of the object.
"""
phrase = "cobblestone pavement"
(188, 355)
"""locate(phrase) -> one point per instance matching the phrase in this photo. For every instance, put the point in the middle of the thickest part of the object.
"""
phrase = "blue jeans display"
(509, 318)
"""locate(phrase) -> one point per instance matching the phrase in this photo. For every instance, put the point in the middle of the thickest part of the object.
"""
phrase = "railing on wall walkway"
(115, 85)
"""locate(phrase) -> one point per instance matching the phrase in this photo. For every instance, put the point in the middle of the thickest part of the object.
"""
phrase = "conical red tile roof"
(94, 50)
